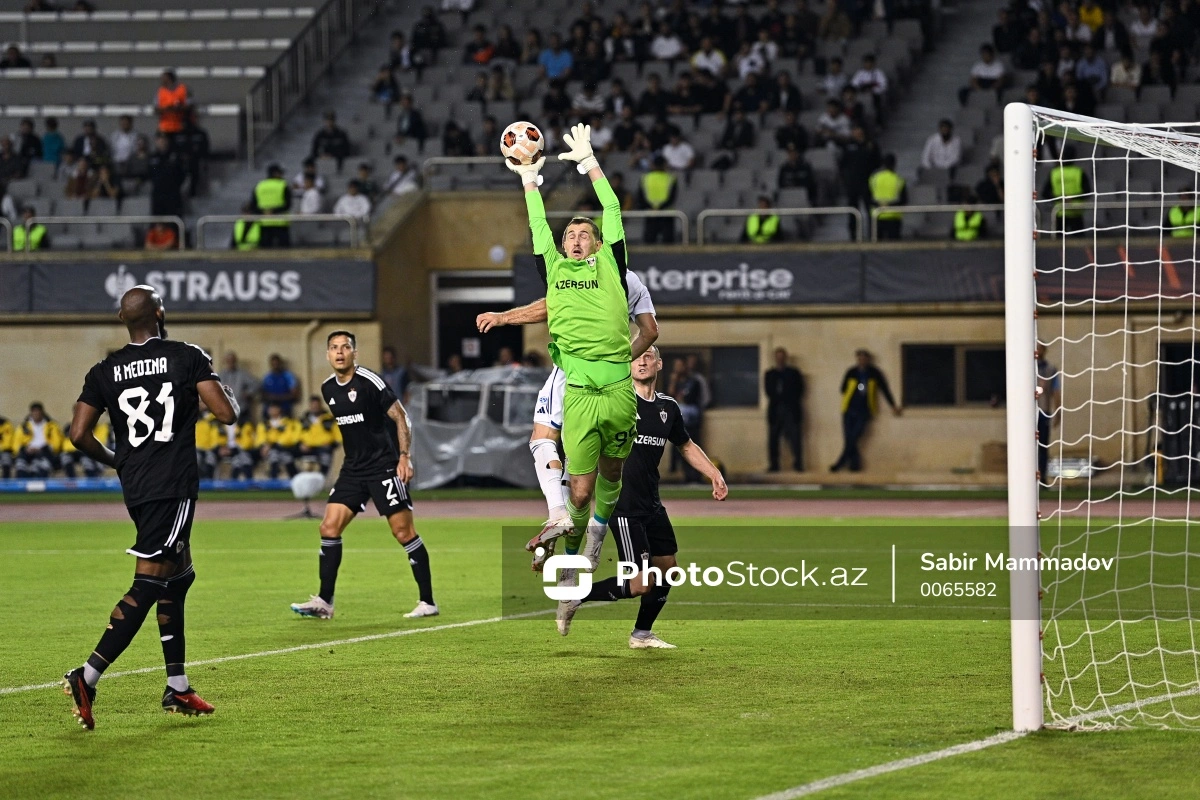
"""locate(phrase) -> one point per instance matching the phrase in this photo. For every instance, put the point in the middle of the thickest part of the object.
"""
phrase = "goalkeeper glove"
(580, 142)
(528, 172)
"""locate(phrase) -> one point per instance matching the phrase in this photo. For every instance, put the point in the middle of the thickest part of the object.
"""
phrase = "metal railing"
(290, 79)
(946, 208)
(103, 220)
(1046, 210)
(685, 224)
(227, 219)
(823, 211)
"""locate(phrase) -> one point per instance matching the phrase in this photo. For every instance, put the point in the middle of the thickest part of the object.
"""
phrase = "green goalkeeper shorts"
(596, 422)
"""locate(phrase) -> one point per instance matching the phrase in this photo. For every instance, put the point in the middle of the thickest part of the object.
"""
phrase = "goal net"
(1101, 280)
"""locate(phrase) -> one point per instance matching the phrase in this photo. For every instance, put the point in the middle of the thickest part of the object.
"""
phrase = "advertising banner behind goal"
(90, 287)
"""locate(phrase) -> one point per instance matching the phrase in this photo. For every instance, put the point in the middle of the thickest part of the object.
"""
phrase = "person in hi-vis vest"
(969, 224)
(247, 234)
(1181, 217)
(658, 192)
(887, 190)
(30, 238)
(763, 227)
(272, 195)
(1068, 181)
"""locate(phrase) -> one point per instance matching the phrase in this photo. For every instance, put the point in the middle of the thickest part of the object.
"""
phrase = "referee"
(376, 439)
(640, 523)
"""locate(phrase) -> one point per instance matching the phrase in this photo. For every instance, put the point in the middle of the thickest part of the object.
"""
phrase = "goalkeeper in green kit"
(588, 316)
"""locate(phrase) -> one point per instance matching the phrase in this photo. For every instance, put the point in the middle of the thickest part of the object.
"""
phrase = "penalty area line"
(959, 749)
(374, 637)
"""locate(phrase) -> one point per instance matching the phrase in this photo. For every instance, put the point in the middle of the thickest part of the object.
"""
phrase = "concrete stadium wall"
(442, 232)
(48, 362)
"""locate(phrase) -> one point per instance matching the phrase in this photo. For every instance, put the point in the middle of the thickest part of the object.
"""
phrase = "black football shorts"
(650, 533)
(389, 493)
(164, 528)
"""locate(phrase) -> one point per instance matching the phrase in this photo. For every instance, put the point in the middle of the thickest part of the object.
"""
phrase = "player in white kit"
(548, 417)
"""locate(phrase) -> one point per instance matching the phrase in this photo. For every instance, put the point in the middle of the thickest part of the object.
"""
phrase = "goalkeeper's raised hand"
(528, 172)
(580, 142)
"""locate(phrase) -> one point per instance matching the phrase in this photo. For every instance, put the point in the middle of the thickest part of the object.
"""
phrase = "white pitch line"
(285, 650)
(891, 766)
(956, 750)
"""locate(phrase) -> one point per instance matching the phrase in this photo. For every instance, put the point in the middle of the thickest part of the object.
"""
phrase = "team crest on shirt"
(591, 261)
(353, 393)
(663, 415)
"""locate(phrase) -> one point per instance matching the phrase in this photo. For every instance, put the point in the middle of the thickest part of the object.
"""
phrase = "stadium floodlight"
(1101, 271)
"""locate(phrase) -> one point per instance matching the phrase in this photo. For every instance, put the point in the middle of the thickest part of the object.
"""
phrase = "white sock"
(91, 675)
(178, 683)
(549, 478)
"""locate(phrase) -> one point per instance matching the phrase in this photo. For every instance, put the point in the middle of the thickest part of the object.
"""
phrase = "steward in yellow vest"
(1181, 218)
(272, 195)
(888, 189)
(1069, 183)
(762, 228)
(658, 188)
(36, 239)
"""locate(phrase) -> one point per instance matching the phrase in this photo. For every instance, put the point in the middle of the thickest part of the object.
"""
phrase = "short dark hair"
(591, 223)
(37, 405)
(353, 339)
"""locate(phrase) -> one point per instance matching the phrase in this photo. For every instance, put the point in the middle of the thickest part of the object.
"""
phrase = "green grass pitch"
(504, 709)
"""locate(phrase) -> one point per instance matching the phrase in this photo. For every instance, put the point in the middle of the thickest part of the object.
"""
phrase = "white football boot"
(315, 607)
(650, 642)
(423, 609)
(553, 528)
(564, 614)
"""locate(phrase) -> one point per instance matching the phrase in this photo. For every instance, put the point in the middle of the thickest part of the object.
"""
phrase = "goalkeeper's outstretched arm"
(612, 231)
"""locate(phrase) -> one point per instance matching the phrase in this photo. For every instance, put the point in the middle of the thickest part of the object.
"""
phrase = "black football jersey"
(658, 421)
(149, 391)
(359, 407)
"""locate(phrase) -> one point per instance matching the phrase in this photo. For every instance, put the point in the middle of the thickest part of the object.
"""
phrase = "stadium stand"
(442, 68)
(453, 84)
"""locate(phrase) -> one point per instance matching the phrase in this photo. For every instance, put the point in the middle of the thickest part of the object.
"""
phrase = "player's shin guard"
(652, 605)
(331, 561)
(126, 618)
(418, 559)
(607, 493)
(579, 521)
(609, 589)
(171, 628)
(550, 478)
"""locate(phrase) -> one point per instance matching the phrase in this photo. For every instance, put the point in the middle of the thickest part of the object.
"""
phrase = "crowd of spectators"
(694, 61)
(1080, 49)
(167, 163)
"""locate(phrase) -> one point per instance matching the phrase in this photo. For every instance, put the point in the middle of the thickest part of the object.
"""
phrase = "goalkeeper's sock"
(579, 521)
(549, 471)
(607, 493)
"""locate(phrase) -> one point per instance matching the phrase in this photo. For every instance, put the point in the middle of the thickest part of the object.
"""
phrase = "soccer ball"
(522, 143)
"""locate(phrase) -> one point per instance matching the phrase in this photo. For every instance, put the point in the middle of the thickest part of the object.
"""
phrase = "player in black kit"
(151, 389)
(640, 524)
(376, 440)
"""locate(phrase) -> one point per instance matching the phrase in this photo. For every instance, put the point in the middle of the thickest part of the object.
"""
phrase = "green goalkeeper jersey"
(586, 304)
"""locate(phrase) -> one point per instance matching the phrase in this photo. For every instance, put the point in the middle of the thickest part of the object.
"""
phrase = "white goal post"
(1102, 272)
